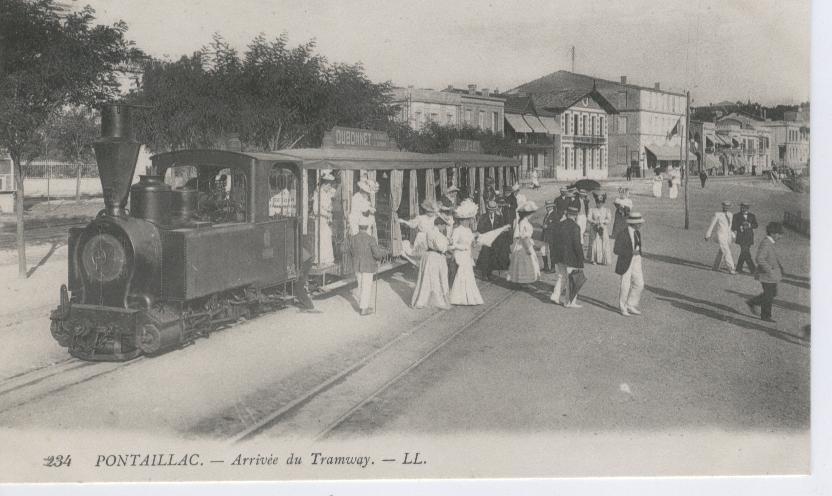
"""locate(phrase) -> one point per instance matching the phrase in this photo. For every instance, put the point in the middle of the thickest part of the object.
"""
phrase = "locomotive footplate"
(97, 333)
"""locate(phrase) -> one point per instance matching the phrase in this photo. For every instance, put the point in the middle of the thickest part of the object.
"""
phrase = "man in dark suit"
(549, 220)
(488, 222)
(569, 253)
(628, 266)
(365, 256)
(769, 271)
(743, 224)
(301, 294)
(510, 210)
(561, 204)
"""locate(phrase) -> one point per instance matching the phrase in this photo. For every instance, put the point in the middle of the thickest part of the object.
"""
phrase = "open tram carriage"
(214, 236)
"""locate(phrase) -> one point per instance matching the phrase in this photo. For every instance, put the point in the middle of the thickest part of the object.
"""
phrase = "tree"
(272, 96)
(435, 138)
(50, 58)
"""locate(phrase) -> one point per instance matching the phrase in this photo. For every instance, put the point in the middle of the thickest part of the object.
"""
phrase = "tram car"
(215, 236)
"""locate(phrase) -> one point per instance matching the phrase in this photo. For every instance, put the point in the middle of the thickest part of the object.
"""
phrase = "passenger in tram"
(322, 211)
(362, 205)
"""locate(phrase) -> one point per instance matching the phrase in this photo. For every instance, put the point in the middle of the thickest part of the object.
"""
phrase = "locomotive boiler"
(184, 259)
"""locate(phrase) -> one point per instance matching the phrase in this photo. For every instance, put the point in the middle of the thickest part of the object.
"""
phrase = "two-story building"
(450, 107)
(790, 142)
(480, 108)
(640, 133)
(564, 133)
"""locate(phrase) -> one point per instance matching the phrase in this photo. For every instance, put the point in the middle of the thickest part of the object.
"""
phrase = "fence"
(59, 170)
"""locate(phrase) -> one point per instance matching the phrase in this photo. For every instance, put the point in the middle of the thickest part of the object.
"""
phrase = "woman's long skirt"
(432, 284)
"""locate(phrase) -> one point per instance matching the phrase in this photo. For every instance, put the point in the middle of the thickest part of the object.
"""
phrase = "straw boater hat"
(726, 204)
(327, 176)
(635, 218)
(582, 192)
(572, 211)
(572, 190)
(430, 206)
(528, 206)
(564, 190)
(744, 204)
(466, 210)
(368, 185)
(516, 187)
(491, 205)
(549, 204)
(625, 202)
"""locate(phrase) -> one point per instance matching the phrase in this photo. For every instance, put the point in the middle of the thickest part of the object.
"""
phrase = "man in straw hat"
(628, 266)
(743, 225)
(488, 222)
(365, 257)
(569, 254)
(721, 226)
(362, 205)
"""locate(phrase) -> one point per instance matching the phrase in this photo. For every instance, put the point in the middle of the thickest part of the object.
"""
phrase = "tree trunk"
(18, 209)
(78, 183)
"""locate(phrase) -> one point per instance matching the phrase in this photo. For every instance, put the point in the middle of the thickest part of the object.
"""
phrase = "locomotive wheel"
(150, 339)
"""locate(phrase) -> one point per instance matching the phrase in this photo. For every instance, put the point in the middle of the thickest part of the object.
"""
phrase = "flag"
(675, 129)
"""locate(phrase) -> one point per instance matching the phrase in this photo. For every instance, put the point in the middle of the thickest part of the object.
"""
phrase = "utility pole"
(687, 155)
(573, 58)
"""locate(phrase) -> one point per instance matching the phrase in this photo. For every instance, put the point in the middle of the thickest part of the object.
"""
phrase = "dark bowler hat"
(744, 204)
(491, 205)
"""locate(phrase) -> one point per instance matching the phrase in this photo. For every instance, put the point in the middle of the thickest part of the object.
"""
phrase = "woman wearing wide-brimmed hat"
(422, 224)
(464, 290)
(362, 205)
(523, 267)
(432, 283)
(322, 212)
(600, 221)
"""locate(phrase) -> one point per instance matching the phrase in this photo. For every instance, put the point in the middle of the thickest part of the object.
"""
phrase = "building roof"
(424, 95)
(476, 94)
(558, 101)
(569, 80)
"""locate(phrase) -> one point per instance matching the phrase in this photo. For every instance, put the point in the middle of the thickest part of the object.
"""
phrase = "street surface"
(696, 375)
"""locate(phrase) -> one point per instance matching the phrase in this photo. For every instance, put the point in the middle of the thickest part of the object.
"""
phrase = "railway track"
(320, 411)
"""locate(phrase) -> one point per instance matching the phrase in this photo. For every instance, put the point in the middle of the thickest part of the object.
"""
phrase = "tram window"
(226, 198)
(182, 176)
(282, 193)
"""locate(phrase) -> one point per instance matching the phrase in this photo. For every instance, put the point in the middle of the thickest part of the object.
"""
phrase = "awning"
(709, 139)
(721, 140)
(535, 124)
(552, 125)
(517, 123)
(664, 152)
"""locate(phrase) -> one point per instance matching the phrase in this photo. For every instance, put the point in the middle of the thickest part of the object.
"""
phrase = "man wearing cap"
(548, 221)
(769, 271)
(721, 226)
(569, 253)
(562, 203)
(743, 225)
(365, 256)
(628, 266)
(488, 222)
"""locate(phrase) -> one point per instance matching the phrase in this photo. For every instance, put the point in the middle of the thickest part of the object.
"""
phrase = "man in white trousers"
(721, 227)
(628, 266)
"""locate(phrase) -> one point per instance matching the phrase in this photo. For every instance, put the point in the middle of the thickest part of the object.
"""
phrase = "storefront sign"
(346, 137)
(467, 146)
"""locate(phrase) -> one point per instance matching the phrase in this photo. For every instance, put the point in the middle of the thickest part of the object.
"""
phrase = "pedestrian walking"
(623, 206)
(629, 173)
(703, 177)
(549, 219)
(657, 184)
(570, 257)
(535, 176)
(562, 203)
(769, 271)
(486, 260)
(721, 227)
(365, 257)
(464, 289)
(523, 267)
(743, 225)
(674, 182)
(628, 247)
(432, 283)
(600, 221)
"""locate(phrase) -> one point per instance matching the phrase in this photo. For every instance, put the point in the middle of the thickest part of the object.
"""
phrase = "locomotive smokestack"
(116, 153)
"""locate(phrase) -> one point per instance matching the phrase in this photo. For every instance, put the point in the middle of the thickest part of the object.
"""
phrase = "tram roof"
(341, 158)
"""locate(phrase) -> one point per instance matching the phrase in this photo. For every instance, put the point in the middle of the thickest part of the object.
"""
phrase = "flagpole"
(687, 155)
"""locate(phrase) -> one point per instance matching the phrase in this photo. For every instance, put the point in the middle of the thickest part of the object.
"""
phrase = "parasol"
(587, 184)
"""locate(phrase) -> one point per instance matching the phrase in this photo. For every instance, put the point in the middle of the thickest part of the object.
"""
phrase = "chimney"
(450, 87)
(472, 89)
(485, 92)
(657, 86)
(116, 153)
(623, 79)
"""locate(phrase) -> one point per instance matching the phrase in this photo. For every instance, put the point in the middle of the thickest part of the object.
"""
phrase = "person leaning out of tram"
(362, 206)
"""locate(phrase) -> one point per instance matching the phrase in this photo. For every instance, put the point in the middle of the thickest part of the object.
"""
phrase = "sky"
(717, 49)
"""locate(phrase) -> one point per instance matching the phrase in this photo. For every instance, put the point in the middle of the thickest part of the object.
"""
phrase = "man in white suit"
(721, 227)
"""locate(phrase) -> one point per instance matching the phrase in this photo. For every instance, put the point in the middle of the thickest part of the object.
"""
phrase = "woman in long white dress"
(422, 223)
(464, 290)
(432, 283)
(523, 267)
(322, 210)
(600, 219)
(583, 214)
(657, 184)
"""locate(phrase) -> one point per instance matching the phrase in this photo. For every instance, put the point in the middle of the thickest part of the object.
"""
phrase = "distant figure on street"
(657, 184)
(721, 223)
(464, 289)
(549, 219)
(743, 225)
(583, 213)
(535, 179)
(600, 221)
(629, 173)
(703, 176)
(628, 266)
(769, 271)
(675, 181)
(486, 261)
(570, 258)
(365, 257)
(523, 267)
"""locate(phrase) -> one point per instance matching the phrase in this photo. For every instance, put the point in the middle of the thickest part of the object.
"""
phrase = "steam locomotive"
(184, 259)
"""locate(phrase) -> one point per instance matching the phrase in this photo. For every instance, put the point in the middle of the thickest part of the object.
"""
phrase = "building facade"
(790, 143)
(640, 132)
(734, 144)
(450, 107)
(480, 108)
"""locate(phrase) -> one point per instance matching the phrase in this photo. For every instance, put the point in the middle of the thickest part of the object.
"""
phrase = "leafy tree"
(435, 138)
(70, 134)
(272, 96)
(50, 58)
